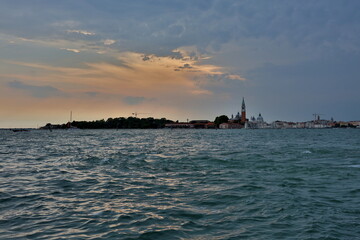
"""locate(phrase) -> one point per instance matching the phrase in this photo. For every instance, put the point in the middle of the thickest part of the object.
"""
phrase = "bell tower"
(243, 111)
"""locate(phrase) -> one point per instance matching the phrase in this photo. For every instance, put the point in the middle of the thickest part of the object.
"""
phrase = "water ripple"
(180, 184)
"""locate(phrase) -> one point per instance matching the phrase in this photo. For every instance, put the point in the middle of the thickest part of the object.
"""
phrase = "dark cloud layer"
(37, 91)
(149, 26)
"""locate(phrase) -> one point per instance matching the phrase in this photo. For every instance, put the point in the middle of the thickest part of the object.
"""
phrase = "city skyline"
(179, 60)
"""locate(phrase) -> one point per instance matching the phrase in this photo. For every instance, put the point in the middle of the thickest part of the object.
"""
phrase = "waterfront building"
(355, 123)
(300, 124)
(239, 118)
(258, 122)
(179, 125)
(230, 125)
(200, 123)
(320, 123)
(283, 124)
(192, 124)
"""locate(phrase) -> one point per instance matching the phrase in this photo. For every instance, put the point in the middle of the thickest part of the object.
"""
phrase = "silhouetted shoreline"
(113, 123)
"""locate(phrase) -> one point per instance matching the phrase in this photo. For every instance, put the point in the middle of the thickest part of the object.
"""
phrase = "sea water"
(180, 184)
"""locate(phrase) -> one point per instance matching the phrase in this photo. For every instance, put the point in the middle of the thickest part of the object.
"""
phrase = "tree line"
(113, 123)
(122, 123)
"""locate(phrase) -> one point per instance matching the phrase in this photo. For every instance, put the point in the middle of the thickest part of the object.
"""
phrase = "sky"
(178, 59)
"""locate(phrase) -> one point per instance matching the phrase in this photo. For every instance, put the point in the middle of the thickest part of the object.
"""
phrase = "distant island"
(113, 123)
(222, 122)
(236, 121)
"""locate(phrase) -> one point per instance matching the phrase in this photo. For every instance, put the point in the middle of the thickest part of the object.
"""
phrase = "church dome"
(260, 118)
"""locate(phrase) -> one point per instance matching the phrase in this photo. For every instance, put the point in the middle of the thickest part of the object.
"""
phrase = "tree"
(221, 119)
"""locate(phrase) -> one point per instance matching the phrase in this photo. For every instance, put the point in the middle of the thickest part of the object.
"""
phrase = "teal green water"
(180, 184)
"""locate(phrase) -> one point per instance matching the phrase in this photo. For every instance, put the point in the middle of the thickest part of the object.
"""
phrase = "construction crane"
(317, 116)
(136, 114)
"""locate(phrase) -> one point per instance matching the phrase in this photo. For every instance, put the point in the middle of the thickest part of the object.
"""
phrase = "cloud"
(82, 32)
(132, 74)
(234, 77)
(201, 92)
(130, 100)
(108, 42)
(71, 50)
(146, 58)
(186, 66)
(37, 91)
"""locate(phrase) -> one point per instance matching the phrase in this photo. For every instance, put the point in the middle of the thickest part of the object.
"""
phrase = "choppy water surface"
(180, 184)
